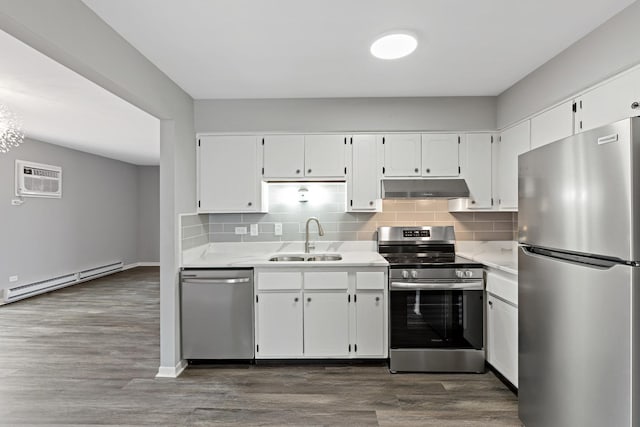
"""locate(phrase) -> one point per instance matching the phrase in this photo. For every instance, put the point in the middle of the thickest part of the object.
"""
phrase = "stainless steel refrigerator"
(578, 273)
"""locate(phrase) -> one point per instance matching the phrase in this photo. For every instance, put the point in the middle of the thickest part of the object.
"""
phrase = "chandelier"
(11, 134)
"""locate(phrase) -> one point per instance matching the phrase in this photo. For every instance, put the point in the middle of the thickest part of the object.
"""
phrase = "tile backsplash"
(327, 201)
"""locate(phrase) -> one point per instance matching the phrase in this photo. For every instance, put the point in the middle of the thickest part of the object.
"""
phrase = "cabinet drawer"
(503, 286)
(279, 281)
(326, 280)
(370, 280)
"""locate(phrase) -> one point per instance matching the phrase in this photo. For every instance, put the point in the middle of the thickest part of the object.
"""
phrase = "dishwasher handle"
(195, 279)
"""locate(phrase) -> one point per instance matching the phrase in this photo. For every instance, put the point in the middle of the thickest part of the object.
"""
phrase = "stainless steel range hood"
(424, 188)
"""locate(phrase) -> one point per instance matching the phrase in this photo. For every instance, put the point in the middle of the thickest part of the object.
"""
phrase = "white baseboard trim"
(140, 264)
(172, 371)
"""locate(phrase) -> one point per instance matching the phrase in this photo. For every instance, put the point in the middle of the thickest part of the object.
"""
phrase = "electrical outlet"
(254, 229)
(241, 230)
(16, 202)
(13, 278)
(277, 229)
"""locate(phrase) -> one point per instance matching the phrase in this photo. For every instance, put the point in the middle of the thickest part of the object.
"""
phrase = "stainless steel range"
(436, 302)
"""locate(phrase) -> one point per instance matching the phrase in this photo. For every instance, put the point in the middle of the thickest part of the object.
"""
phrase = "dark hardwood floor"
(88, 354)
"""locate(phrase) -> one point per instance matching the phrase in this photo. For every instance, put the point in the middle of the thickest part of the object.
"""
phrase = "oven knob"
(468, 273)
(405, 274)
(414, 274)
(460, 274)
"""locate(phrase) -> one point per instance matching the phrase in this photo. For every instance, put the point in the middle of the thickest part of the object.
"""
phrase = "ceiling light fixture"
(11, 134)
(394, 45)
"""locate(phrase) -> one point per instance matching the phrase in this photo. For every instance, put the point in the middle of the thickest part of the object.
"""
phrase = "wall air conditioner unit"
(38, 180)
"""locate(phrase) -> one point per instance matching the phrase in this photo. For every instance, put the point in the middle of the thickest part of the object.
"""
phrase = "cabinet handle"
(416, 170)
(297, 170)
(295, 299)
(377, 299)
(473, 202)
(308, 299)
(371, 203)
(490, 303)
(249, 204)
(635, 105)
(308, 170)
(428, 171)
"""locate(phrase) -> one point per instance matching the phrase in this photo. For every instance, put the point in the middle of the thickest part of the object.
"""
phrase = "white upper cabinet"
(477, 166)
(283, 156)
(304, 156)
(325, 156)
(363, 181)
(613, 101)
(223, 159)
(552, 125)
(440, 154)
(402, 154)
(513, 142)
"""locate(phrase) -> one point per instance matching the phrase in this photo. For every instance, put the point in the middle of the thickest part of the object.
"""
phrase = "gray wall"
(611, 48)
(345, 114)
(94, 223)
(148, 213)
(70, 33)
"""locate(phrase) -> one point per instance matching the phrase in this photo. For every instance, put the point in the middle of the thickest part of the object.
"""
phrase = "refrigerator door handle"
(573, 258)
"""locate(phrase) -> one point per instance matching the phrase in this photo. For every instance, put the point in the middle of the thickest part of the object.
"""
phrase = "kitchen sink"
(316, 257)
(325, 258)
(286, 258)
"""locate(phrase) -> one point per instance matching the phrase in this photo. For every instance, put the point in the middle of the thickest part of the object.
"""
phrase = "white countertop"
(501, 255)
(221, 255)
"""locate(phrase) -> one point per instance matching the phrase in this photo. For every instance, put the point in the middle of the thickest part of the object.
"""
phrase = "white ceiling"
(305, 48)
(63, 108)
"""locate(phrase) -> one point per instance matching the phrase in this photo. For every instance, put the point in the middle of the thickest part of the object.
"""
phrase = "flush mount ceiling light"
(394, 45)
(11, 134)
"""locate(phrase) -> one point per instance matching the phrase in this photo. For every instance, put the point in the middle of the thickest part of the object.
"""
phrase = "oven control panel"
(437, 273)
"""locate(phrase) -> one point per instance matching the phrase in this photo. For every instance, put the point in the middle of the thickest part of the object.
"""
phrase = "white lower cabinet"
(321, 313)
(502, 325)
(280, 324)
(326, 316)
(370, 315)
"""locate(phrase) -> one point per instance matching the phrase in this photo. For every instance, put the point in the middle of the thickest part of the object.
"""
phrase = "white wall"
(148, 213)
(609, 49)
(346, 114)
(70, 33)
(94, 223)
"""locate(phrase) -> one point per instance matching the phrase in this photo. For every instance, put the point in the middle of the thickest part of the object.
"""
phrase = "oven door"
(437, 315)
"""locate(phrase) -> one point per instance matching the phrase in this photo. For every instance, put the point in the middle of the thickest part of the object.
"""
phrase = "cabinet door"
(402, 155)
(325, 156)
(363, 178)
(225, 159)
(477, 170)
(370, 330)
(440, 155)
(502, 337)
(279, 324)
(513, 142)
(608, 103)
(552, 125)
(326, 324)
(283, 156)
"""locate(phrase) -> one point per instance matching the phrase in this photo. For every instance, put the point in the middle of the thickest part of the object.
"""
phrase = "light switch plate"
(254, 229)
(241, 230)
(13, 279)
(277, 229)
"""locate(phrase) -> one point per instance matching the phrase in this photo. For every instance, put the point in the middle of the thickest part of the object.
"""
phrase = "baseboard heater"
(30, 289)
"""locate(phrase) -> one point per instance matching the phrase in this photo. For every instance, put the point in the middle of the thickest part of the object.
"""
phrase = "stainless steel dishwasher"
(217, 314)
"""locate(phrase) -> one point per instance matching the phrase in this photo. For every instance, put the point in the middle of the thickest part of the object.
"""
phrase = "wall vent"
(100, 271)
(31, 289)
(24, 291)
(38, 180)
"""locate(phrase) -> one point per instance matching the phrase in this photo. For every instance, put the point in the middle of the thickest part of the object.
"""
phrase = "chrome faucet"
(307, 246)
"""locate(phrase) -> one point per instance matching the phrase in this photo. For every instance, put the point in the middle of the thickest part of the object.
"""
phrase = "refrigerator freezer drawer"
(575, 345)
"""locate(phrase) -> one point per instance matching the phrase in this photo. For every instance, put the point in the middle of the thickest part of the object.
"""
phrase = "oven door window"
(436, 319)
